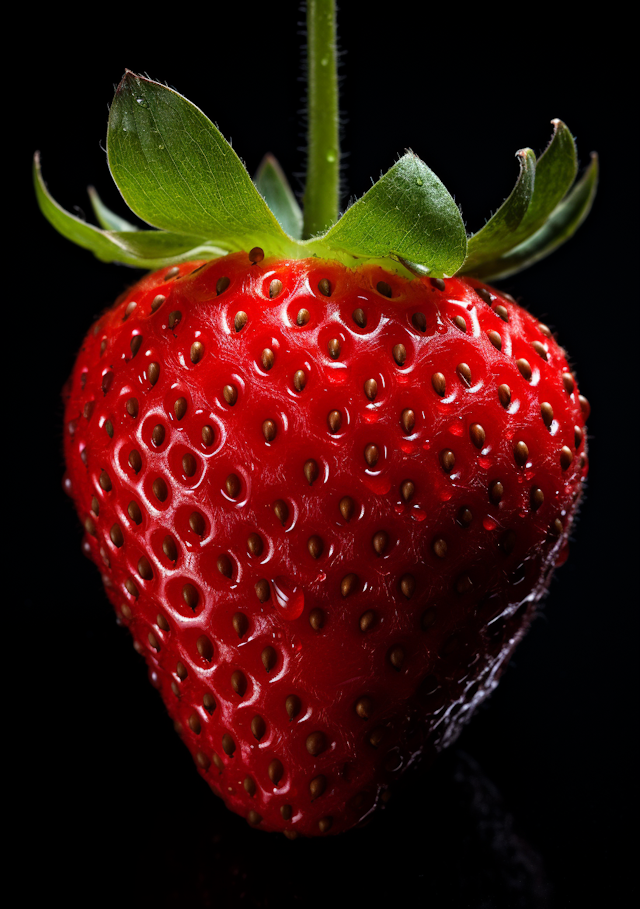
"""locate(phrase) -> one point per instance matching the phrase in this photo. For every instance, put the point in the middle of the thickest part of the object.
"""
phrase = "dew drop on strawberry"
(289, 598)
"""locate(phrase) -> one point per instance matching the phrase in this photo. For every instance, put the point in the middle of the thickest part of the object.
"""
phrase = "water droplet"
(488, 523)
(142, 102)
(331, 157)
(289, 598)
(419, 181)
(418, 514)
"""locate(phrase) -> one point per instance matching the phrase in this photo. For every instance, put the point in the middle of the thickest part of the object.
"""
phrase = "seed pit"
(347, 507)
(521, 453)
(407, 585)
(230, 394)
(267, 358)
(349, 584)
(408, 420)
(419, 321)
(269, 430)
(263, 591)
(333, 347)
(496, 491)
(311, 471)
(228, 745)
(400, 354)
(504, 395)
(495, 339)
(197, 351)
(144, 569)
(316, 743)
(233, 486)
(371, 454)
(477, 435)
(197, 523)
(275, 288)
(293, 706)
(170, 549)
(524, 367)
(224, 566)
(447, 460)
(160, 489)
(371, 389)
(367, 620)
(275, 771)
(464, 373)
(189, 464)
(380, 541)
(269, 658)
(334, 420)
(439, 384)
(407, 489)
(190, 596)
(240, 624)
(281, 511)
(255, 545)
(205, 648)
(239, 683)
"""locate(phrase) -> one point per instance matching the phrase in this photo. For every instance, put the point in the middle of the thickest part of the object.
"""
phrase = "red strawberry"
(326, 485)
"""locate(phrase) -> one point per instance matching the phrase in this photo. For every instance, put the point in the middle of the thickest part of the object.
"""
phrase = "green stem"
(322, 190)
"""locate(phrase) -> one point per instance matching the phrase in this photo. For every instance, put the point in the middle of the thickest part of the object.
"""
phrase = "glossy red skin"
(468, 610)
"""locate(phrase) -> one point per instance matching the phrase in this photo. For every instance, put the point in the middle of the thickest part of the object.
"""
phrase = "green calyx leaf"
(495, 238)
(176, 171)
(146, 249)
(274, 188)
(540, 213)
(178, 174)
(563, 222)
(107, 219)
(408, 214)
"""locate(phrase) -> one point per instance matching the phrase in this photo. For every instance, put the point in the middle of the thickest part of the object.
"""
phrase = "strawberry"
(325, 470)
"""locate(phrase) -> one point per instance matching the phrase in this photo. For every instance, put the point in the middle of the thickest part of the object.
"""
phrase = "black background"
(532, 808)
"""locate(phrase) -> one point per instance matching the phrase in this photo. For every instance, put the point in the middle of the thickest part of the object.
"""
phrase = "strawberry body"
(325, 501)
